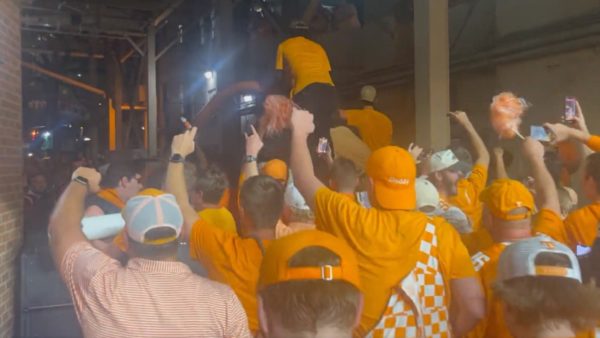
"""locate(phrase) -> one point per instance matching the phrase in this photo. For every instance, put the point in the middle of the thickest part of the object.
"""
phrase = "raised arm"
(482, 156)
(301, 163)
(64, 229)
(545, 187)
(182, 145)
(468, 305)
(499, 161)
(253, 146)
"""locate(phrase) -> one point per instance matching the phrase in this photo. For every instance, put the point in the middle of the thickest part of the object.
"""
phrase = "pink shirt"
(148, 298)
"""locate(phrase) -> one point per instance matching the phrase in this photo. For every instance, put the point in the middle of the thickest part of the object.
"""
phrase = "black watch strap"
(250, 158)
(176, 158)
(81, 180)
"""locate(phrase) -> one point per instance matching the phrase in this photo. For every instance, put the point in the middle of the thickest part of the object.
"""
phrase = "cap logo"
(399, 181)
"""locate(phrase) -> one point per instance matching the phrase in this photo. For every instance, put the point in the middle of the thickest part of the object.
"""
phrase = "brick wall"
(10, 158)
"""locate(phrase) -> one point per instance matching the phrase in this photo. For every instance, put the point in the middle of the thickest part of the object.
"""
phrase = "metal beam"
(166, 13)
(64, 78)
(63, 53)
(152, 99)
(111, 35)
(135, 46)
(166, 49)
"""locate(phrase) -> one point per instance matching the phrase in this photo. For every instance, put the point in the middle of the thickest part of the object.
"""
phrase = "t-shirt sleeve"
(237, 322)
(549, 223)
(468, 191)
(279, 58)
(454, 258)
(335, 213)
(594, 142)
(80, 264)
(477, 181)
(581, 226)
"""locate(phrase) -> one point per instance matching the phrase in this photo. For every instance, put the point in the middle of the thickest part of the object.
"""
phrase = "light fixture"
(79, 75)
(86, 139)
(247, 98)
(29, 154)
(208, 74)
(46, 134)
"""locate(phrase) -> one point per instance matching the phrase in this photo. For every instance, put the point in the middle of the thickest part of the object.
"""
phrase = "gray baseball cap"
(519, 260)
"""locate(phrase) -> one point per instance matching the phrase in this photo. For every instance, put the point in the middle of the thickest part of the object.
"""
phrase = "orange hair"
(505, 114)
(277, 115)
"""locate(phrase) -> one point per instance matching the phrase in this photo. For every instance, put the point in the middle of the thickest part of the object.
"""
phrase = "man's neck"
(264, 234)
(209, 206)
(121, 194)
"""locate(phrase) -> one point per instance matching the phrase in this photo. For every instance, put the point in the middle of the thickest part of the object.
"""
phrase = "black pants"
(322, 101)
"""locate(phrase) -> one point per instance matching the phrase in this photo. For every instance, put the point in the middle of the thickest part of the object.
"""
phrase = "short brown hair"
(212, 182)
(536, 300)
(344, 173)
(262, 199)
(307, 305)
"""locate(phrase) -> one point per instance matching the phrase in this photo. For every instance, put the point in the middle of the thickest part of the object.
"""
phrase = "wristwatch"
(81, 180)
(250, 158)
(176, 158)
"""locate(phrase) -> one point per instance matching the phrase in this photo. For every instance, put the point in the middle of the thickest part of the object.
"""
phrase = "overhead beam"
(166, 13)
(109, 35)
(64, 78)
(135, 46)
(63, 53)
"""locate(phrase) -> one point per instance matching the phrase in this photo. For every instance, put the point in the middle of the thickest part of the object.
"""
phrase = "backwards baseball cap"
(427, 194)
(505, 195)
(277, 169)
(152, 209)
(444, 160)
(393, 172)
(275, 267)
(519, 260)
(368, 93)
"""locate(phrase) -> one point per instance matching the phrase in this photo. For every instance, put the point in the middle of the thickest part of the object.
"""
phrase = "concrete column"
(432, 79)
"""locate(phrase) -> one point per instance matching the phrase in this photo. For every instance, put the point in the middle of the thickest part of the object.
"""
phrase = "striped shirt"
(148, 298)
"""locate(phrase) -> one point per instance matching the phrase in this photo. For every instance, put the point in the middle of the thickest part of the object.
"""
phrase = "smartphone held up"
(540, 133)
(570, 108)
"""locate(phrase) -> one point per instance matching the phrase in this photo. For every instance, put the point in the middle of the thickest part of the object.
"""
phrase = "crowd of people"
(355, 238)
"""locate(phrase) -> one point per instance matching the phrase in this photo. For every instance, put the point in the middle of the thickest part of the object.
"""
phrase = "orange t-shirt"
(594, 142)
(579, 228)
(230, 259)
(307, 61)
(387, 245)
(486, 263)
(375, 128)
(467, 194)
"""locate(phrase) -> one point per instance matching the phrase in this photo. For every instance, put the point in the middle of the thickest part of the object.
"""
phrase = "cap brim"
(394, 198)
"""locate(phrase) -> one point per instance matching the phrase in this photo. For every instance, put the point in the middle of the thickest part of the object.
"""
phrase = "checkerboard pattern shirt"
(148, 298)
(418, 308)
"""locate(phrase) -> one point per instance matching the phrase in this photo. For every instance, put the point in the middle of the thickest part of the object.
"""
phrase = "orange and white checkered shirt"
(148, 298)
(418, 308)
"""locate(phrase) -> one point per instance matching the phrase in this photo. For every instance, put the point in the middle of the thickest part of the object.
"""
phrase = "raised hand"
(183, 144)
(302, 122)
(253, 143)
(533, 149)
(415, 151)
(558, 132)
(460, 117)
(92, 176)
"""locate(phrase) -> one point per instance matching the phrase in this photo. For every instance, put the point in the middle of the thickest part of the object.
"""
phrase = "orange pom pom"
(505, 114)
(277, 115)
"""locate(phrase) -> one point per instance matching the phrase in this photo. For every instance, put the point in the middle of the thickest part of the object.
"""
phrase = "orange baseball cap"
(393, 171)
(506, 195)
(275, 268)
(277, 169)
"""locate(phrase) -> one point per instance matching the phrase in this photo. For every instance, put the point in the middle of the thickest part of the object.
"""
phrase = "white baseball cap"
(149, 210)
(427, 194)
(443, 160)
(519, 260)
(368, 93)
